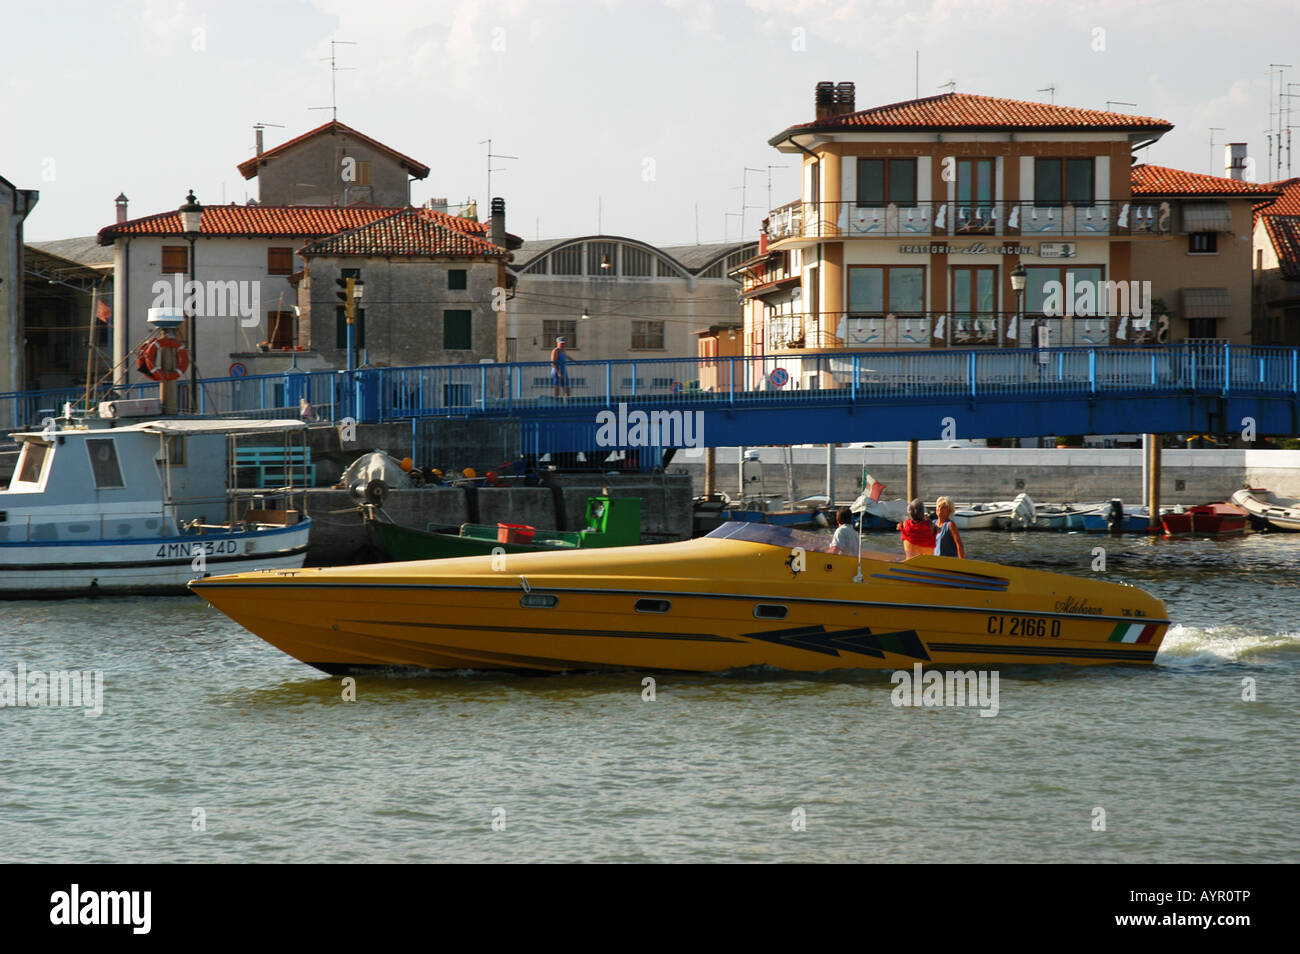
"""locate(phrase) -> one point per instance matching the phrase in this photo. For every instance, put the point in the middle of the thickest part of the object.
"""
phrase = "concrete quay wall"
(986, 474)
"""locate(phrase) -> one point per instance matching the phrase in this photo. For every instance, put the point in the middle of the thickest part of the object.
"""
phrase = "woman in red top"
(917, 532)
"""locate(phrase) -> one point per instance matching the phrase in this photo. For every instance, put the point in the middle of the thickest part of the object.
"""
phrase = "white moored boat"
(984, 516)
(137, 508)
(1268, 510)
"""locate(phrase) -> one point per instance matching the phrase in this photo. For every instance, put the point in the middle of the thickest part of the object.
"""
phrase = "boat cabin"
(96, 481)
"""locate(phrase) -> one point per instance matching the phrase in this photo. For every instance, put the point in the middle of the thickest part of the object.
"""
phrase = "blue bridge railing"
(530, 388)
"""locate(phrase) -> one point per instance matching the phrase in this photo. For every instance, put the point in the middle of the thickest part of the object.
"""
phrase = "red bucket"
(514, 533)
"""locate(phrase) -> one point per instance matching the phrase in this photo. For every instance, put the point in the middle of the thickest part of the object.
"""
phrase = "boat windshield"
(784, 537)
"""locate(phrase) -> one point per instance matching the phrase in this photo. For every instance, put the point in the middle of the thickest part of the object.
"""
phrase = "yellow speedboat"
(747, 594)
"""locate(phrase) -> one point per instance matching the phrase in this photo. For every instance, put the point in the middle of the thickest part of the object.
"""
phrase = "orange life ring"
(150, 366)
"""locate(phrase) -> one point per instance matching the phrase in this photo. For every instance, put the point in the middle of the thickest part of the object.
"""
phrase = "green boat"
(610, 523)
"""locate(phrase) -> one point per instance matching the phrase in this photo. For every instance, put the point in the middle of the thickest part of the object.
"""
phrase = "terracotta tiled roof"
(275, 221)
(407, 232)
(1281, 219)
(1284, 232)
(1288, 203)
(1160, 180)
(969, 111)
(248, 168)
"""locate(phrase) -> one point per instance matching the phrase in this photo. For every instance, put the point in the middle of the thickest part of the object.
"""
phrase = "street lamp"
(1018, 286)
(191, 222)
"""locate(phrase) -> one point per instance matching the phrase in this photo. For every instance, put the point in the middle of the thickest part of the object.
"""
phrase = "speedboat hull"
(711, 604)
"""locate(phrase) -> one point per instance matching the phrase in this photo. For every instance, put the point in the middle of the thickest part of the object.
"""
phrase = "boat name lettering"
(209, 548)
(1023, 626)
(1076, 605)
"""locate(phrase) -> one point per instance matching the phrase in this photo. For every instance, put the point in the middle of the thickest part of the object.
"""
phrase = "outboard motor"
(1023, 514)
(1115, 516)
(371, 492)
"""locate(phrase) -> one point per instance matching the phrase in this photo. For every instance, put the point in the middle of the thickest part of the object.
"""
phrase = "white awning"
(1206, 217)
(1205, 303)
(174, 426)
(230, 425)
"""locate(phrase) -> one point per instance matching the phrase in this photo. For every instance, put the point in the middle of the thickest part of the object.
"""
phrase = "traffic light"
(348, 293)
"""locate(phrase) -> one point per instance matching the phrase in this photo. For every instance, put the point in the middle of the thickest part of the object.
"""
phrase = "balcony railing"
(806, 331)
(821, 220)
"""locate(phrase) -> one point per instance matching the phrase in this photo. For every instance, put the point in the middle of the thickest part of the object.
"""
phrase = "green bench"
(271, 467)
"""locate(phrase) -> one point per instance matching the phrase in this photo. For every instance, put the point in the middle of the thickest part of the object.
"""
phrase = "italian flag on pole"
(1133, 633)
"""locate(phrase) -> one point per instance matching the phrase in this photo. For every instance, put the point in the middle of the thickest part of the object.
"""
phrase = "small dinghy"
(1062, 517)
(1268, 511)
(1114, 517)
(984, 516)
(1206, 520)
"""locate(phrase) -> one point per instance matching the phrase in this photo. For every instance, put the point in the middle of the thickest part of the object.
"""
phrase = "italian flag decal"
(1133, 633)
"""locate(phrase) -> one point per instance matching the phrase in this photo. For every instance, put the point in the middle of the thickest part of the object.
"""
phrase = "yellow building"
(914, 217)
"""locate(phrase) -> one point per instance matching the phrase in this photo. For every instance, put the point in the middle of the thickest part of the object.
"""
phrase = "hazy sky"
(646, 108)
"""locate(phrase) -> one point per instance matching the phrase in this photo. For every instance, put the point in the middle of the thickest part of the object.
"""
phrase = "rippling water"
(199, 714)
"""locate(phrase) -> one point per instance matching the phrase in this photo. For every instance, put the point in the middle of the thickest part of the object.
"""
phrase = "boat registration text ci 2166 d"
(1023, 626)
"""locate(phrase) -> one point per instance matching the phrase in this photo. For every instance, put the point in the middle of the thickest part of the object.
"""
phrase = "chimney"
(1234, 160)
(258, 131)
(498, 227)
(824, 100)
(844, 98)
(437, 204)
(120, 202)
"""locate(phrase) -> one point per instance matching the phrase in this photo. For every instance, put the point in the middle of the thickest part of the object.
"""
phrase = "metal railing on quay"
(788, 377)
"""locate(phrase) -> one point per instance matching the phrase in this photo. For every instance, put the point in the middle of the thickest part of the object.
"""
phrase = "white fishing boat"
(1268, 510)
(106, 506)
(984, 516)
(1063, 516)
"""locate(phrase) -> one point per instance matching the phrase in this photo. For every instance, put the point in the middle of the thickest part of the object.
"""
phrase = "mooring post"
(913, 484)
(830, 475)
(1153, 474)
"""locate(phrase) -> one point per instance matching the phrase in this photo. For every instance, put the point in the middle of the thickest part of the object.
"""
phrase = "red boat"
(1207, 520)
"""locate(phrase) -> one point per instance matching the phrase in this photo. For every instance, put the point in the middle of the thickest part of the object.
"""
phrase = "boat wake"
(1188, 646)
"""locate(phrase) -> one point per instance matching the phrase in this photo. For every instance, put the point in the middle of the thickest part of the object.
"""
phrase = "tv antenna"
(744, 184)
(950, 86)
(1119, 102)
(1051, 92)
(1277, 124)
(335, 69)
(1213, 130)
(490, 156)
(769, 184)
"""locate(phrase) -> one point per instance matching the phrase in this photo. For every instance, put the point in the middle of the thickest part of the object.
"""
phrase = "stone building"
(428, 291)
(332, 164)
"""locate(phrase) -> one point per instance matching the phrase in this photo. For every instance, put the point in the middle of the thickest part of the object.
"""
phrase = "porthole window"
(544, 600)
(653, 606)
(770, 611)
